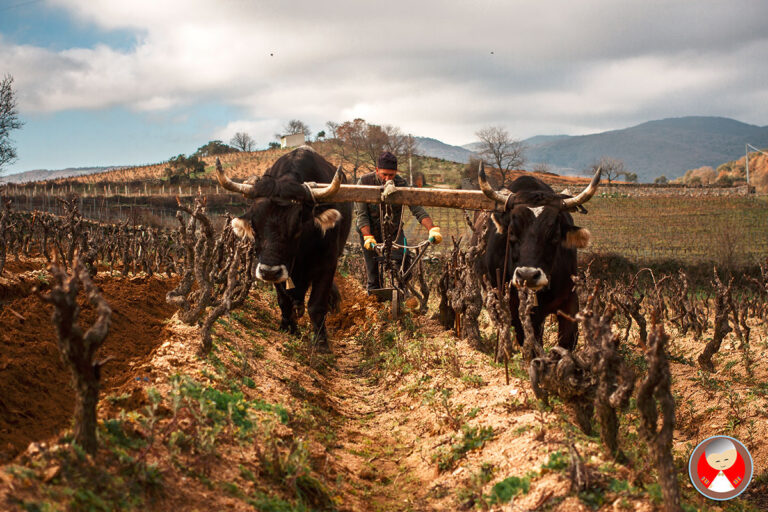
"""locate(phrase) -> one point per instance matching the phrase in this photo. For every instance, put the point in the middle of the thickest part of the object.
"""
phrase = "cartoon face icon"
(721, 454)
(720, 467)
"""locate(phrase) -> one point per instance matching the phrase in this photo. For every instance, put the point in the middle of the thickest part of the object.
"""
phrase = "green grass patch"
(472, 438)
(504, 491)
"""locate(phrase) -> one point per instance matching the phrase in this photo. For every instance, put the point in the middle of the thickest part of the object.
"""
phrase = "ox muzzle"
(532, 278)
(272, 273)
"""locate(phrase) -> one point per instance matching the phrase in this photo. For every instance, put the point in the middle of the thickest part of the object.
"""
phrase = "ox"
(537, 237)
(297, 241)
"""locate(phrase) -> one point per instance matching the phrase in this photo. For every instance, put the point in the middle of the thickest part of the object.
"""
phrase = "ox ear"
(576, 237)
(242, 228)
(326, 219)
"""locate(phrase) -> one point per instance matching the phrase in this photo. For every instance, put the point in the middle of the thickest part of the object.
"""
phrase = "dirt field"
(401, 416)
(37, 400)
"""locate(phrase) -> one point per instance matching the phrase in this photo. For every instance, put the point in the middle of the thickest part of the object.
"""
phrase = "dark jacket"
(370, 214)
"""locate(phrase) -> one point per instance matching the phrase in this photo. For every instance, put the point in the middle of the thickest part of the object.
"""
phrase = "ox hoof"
(321, 342)
(298, 310)
(289, 326)
(322, 346)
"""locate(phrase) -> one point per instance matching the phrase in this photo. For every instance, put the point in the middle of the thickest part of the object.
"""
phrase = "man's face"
(386, 174)
(722, 460)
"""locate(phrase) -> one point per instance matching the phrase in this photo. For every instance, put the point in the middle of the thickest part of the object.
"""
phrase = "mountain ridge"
(47, 174)
(668, 147)
(661, 147)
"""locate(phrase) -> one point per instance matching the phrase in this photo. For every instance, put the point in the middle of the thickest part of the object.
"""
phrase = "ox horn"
(331, 189)
(228, 184)
(487, 189)
(586, 194)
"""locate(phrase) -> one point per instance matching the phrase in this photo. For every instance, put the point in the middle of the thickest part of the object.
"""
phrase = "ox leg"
(286, 301)
(519, 332)
(319, 301)
(334, 302)
(537, 318)
(568, 331)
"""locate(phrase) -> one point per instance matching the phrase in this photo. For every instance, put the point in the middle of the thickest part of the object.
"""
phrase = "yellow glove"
(369, 242)
(434, 235)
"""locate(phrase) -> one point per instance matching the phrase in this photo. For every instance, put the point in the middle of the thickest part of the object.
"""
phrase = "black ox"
(297, 241)
(538, 238)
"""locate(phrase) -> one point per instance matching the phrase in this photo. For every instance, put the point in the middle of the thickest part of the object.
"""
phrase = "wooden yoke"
(484, 199)
(445, 198)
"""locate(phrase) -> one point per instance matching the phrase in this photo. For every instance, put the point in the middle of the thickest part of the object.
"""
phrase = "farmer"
(371, 218)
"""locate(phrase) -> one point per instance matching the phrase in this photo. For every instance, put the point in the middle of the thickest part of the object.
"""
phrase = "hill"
(437, 171)
(45, 174)
(437, 149)
(666, 147)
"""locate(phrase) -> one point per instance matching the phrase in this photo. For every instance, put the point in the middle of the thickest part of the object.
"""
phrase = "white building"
(291, 141)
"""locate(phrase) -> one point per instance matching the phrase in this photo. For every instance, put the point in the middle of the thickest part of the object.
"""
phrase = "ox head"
(539, 227)
(283, 212)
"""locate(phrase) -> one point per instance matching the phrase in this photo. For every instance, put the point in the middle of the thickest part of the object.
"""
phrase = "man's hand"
(369, 242)
(434, 235)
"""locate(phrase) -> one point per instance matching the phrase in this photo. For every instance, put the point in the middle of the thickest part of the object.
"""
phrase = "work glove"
(434, 235)
(369, 242)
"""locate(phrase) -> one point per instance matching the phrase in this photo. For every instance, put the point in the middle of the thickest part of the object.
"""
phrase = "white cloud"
(441, 69)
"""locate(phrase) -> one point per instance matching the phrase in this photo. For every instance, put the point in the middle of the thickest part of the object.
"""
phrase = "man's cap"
(387, 161)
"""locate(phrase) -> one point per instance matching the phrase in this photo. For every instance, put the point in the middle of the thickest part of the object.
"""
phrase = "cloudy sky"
(105, 82)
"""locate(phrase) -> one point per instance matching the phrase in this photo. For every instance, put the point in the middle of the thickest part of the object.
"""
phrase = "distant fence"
(132, 189)
(725, 229)
(156, 211)
(645, 190)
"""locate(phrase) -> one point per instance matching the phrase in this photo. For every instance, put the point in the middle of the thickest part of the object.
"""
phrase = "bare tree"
(376, 141)
(5, 221)
(243, 142)
(333, 128)
(612, 169)
(9, 120)
(501, 150)
(296, 126)
(396, 141)
(410, 146)
(361, 143)
(348, 141)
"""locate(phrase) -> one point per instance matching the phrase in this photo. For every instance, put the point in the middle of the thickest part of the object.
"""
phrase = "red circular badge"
(720, 468)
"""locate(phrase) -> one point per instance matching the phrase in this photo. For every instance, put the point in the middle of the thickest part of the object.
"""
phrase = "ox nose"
(271, 273)
(529, 276)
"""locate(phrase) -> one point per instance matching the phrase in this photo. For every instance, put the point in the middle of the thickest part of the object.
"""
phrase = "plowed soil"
(36, 398)
(374, 437)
